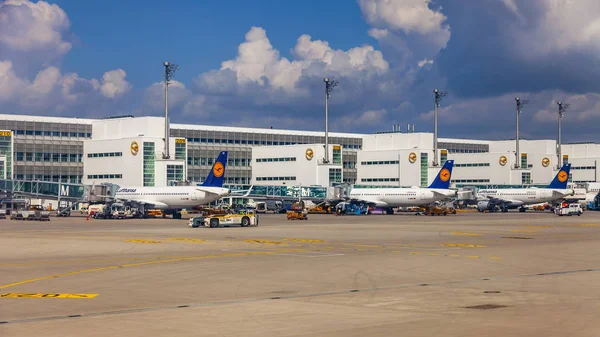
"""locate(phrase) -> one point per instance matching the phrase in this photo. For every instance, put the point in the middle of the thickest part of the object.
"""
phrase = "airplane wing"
(146, 203)
(498, 201)
(440, 195)
(371, 203)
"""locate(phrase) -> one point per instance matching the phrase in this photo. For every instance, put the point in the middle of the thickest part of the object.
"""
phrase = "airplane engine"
(483, 205)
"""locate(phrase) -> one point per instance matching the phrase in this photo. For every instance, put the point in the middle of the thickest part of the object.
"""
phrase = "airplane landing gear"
(522, 209)
(177, 215)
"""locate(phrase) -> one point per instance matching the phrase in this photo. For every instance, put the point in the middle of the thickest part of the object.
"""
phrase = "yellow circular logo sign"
(444, 175)
(412, 157)
(562, 176)
(503, 160)
(134, 147)
(545, 162)
(309, 154)
(218, 169)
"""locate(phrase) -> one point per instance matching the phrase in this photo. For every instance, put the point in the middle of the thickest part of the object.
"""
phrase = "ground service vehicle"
(297, 211)
(570, 209)
(225, 220)
(437, 210)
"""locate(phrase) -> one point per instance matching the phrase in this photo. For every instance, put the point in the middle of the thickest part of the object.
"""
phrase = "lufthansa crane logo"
(309, 154)
(412, 157)
(444, 175)
(218, 169)
(134, 147)
(503, 160)
(545, 162)
(562, 176)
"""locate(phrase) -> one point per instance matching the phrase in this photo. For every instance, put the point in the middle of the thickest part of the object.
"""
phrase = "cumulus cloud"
(368, 118)
(258, 63)
(114, 83)
(408, 16)
(518, 45)
(33, 31)
(33, 37)
(154, 96)
(52, 89)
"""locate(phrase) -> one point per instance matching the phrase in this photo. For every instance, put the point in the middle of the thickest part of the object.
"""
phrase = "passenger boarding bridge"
(71, 193)
(43, 189)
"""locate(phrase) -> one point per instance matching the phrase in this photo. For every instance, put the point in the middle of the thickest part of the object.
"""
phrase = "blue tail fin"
(562, 178)
(443, 178)
(217, 173)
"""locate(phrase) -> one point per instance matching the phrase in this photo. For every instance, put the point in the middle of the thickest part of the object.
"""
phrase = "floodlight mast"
(329, 85)
(438, 95)
(562, 107)
(170, 69)
(520, 104)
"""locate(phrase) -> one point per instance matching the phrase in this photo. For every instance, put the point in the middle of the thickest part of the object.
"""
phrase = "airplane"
(172, 199)
(389, 198)
(511, 198)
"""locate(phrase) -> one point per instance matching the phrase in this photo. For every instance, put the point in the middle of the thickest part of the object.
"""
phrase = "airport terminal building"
(130, 151)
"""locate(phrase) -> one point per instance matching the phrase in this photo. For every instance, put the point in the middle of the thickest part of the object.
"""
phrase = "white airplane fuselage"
(172, 197)
(400, 197)
(523, 196)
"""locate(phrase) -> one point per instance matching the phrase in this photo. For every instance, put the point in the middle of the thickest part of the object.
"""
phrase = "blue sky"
(261, 63)
(198, 35)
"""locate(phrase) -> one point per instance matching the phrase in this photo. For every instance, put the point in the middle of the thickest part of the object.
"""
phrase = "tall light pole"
(562, 107)
(170, 69)
(520, 104)
(329, 85)
(438, 98)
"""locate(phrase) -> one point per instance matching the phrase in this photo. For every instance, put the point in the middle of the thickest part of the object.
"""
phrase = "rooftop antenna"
(170, 69)
(520, 104)
(562, 107)
(438, 98)
(329, 85)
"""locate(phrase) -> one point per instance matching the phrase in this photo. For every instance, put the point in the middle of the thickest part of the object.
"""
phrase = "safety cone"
(87, 217)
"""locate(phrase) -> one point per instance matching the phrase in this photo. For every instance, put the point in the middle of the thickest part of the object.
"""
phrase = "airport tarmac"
(469, 274)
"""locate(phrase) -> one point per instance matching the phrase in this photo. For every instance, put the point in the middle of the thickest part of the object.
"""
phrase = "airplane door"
(422, 195)
(194, 195)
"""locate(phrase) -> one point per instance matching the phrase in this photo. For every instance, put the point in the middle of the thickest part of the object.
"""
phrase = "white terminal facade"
(129, 151)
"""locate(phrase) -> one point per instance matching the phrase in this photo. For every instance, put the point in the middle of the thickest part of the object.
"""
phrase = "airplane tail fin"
(217, 173)
(442, 180)
(562, 178)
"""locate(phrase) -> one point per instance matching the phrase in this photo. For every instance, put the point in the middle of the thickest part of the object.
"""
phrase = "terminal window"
(105, 154)
(370, 180)
(180, 151)
(524, 160)
(525, 177)
(174, 172)
(380, 162)
(424, 171)
(443, 157)
(472, 165)
(337, 155)
(335, 175)
(148, 164)
(105, 176)
(274, 178)
(269, 160)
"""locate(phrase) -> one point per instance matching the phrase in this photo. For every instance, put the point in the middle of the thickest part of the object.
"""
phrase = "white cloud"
(582, 108)
(154, 96)
(559, 26)
(366, 118)
(259, 63)
(114, 84)
(33, 27)
(409, 16)
(424, 62)
(52, 90)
